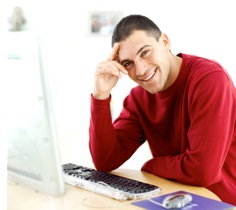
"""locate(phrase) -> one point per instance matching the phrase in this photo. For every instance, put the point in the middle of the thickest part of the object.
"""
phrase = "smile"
(150, 77)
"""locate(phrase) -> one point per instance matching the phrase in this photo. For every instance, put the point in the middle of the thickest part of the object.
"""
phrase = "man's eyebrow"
(123, 61)
(140, 50)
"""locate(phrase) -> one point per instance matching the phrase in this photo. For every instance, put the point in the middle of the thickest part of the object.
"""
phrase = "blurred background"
(71, 49)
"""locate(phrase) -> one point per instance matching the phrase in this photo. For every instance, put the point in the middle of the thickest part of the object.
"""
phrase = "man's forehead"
(133, 44)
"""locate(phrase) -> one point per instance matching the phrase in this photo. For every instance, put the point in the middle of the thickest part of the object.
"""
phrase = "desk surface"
(21, 198)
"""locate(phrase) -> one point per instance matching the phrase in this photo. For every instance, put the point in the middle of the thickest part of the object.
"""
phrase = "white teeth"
(149, 77)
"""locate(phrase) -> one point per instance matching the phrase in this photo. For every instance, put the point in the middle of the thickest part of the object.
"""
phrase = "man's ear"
(165, 41)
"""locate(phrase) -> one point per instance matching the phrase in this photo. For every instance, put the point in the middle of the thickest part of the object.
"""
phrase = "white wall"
(203, 27)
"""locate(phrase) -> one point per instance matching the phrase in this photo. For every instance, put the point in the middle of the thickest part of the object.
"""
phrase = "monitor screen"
(33, 150)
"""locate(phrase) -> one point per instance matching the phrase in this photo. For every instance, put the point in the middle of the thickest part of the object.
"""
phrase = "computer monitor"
(33, 151)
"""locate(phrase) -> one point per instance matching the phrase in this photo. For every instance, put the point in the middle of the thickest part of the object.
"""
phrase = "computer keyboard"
(107, 184)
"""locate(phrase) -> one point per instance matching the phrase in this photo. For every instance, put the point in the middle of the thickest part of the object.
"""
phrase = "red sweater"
(190, 128)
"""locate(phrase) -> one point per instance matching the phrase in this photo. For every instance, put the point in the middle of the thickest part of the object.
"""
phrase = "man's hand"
(107, 74)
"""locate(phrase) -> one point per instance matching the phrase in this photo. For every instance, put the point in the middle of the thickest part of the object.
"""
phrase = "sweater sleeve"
(210, 134)
(111, 144)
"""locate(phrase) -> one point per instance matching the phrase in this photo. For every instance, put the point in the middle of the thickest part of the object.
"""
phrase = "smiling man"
(184, 106)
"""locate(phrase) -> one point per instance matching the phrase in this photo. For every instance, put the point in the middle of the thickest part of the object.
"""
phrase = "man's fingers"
(112, 67)
(113, 57)
(121, 68)
(113, 54)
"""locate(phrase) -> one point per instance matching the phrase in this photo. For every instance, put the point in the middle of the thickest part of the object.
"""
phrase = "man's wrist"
(101, 96)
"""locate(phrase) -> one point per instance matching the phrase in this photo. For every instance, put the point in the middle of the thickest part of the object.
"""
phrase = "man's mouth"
(150, 77)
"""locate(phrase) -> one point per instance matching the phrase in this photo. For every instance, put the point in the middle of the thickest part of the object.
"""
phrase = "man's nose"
(141, 67)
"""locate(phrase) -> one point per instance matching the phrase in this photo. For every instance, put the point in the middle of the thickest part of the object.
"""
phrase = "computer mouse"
(177, 200)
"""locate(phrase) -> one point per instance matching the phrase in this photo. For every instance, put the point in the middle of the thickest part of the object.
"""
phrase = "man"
(184, 106)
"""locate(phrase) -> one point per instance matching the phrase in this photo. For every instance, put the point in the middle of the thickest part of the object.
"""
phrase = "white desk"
(21, 198)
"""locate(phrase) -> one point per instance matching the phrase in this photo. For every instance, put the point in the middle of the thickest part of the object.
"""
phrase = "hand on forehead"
(114, 53)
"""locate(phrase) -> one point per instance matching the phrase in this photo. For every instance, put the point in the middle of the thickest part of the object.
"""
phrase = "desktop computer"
(33, 158)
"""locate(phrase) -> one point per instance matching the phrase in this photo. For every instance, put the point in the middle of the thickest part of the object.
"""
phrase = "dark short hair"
(127, 25)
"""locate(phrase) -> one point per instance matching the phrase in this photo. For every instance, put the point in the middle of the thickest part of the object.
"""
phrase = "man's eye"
(144, 52)
(127, 64)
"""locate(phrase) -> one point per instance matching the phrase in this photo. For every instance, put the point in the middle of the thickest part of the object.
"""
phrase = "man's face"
(146, 60)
